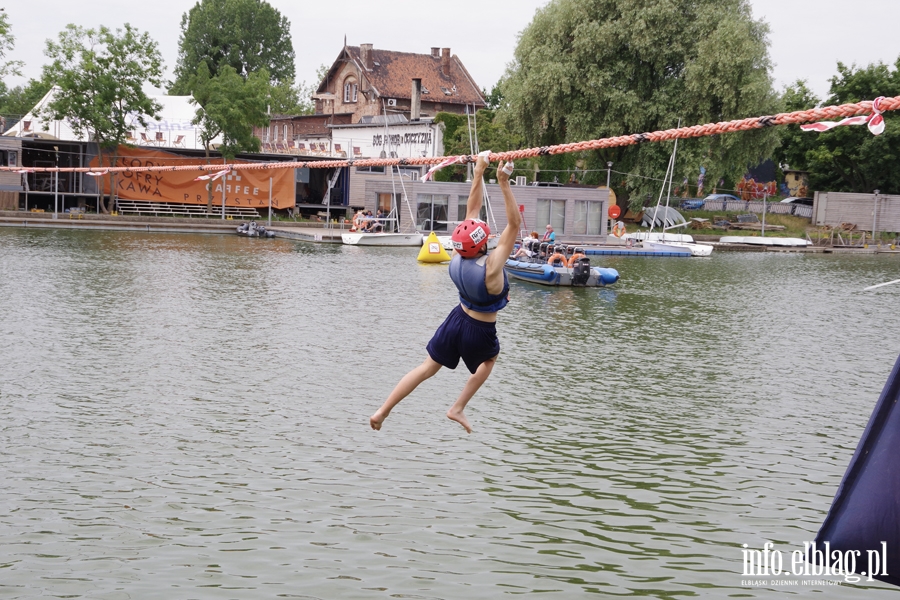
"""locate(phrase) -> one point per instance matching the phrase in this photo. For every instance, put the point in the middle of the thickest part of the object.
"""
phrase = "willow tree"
(587, 69)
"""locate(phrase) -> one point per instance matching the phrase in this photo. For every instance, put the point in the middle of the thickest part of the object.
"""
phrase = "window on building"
(284, 134)
(588, 217)
(268, 133)
(461, 211)
(350, 92)
(370, 169)
(432, 212)
(552, 212)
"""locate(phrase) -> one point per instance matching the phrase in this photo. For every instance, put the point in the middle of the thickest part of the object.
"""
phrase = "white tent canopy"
(173, 130)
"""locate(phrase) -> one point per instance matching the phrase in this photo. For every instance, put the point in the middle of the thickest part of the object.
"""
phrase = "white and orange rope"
(866, 112)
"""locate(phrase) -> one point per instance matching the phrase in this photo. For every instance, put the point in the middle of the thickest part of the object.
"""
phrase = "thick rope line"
(693, 131)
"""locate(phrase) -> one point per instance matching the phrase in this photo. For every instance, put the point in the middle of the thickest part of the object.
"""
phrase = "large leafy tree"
(247, 35)
(587, 69)
(100, 75)
(229, 106)
(847, 159)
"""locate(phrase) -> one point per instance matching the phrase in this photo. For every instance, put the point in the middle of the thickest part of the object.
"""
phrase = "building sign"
(397, 139)
(247, 188)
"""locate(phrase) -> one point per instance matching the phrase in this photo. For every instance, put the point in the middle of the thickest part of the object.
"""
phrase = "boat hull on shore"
(382, 239)
(687, 247)
(763, 241)
(545, 274)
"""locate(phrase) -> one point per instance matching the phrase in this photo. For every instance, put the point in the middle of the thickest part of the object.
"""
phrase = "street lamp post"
(608, 171)
(224, 179)
(56, 185)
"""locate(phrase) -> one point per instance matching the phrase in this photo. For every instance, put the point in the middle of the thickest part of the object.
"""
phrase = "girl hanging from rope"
(469, 331)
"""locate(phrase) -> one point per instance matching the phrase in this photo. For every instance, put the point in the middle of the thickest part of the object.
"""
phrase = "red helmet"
(469, 237)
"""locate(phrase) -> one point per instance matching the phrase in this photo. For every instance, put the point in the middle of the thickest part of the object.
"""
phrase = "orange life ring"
(618, 229)
(575, 257)
(556, 256)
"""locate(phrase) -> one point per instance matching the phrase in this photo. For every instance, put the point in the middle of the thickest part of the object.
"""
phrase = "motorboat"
(252, 229)
(558, 265)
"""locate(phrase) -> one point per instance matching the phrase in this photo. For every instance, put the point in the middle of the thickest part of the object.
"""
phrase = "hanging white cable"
(486, 199)
(395, 212)
(662, 187)
(671, 177)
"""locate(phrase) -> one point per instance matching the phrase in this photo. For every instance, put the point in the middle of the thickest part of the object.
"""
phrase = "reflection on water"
(186, 416)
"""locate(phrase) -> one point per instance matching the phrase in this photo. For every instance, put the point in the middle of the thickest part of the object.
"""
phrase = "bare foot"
(376, 420)
(460, 418)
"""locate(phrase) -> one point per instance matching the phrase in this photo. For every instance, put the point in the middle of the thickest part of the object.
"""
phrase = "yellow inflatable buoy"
(432, 251)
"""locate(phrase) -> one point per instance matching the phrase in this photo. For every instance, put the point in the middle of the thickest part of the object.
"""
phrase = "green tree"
(230, 106)
(493, 134)
(587, 69)
(16, 102)
(247, 35)
(100, 75)
(847, 159)
(286, 98)
(494, 99)
(7, 43)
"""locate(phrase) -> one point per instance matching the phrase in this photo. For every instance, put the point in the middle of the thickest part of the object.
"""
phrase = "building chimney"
(445, 62)
(415, 104)
(365, 54)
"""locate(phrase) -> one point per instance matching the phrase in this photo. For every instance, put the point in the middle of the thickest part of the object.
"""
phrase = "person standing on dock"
(469, 331)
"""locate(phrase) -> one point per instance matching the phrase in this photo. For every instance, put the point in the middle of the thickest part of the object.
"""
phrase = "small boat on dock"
(558, 265)
(252, 229)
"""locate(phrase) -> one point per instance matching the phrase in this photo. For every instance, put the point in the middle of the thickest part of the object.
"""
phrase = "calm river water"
(187, 417)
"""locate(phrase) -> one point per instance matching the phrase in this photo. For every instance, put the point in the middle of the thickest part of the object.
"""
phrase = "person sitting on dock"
(358, 220)
(470, 330)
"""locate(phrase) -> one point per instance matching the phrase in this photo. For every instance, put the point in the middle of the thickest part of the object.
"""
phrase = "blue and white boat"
(558, 265)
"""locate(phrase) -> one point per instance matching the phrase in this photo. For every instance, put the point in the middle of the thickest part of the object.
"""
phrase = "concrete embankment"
(312, 232)
(320, 233)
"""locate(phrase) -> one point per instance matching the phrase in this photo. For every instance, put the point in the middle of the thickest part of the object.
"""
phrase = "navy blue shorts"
(461, 336)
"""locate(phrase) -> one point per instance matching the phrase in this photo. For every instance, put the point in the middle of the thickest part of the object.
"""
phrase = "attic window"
(350, 92)
(425, 90)
(376, 63)
(446, 91)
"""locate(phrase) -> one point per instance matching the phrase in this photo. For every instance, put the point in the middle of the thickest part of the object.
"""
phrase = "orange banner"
(242, 188)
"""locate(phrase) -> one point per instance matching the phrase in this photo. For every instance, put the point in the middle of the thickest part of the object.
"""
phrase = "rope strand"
(693, 131)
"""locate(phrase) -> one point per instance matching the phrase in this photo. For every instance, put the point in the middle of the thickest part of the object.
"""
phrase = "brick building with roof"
(363, 85)
(365, 82)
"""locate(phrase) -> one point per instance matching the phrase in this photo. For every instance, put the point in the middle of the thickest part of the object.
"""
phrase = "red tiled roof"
(392, 74)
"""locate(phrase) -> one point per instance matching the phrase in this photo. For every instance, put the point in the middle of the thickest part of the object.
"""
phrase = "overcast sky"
(808, 37)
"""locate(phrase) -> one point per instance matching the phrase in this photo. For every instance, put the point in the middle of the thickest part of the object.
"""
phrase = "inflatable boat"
(251, 229)
(558, 265)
